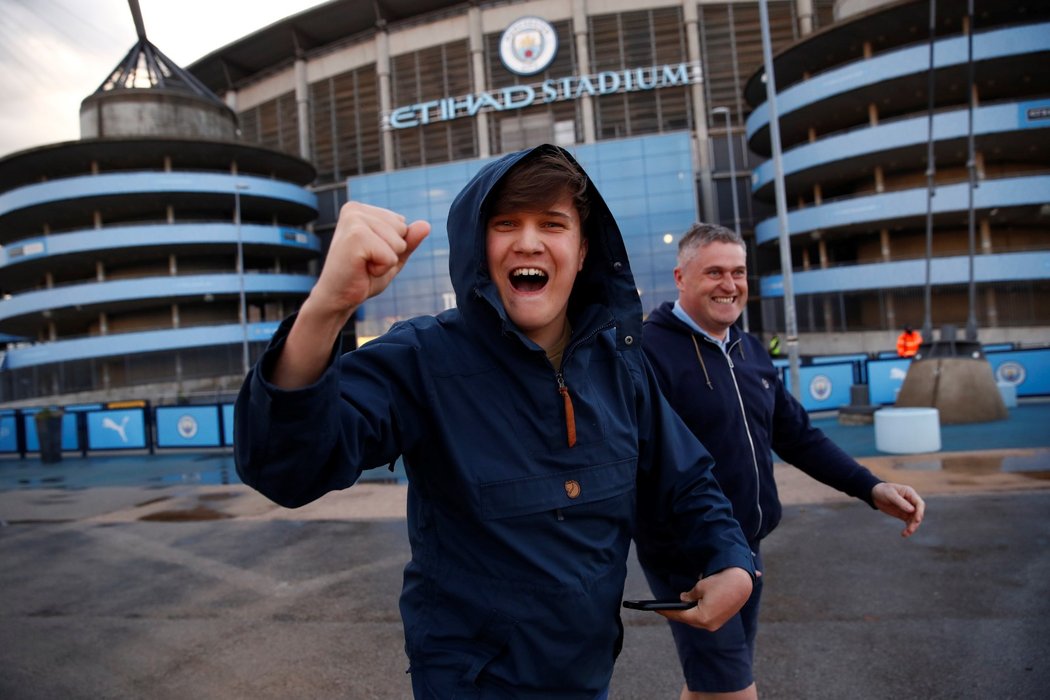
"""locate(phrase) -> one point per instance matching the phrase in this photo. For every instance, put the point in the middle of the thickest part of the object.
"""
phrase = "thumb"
(417, 232)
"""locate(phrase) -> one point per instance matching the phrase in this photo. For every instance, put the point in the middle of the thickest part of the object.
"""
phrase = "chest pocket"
(562, 489)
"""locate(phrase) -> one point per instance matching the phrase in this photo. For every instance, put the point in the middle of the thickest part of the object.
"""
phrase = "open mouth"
(528, 279)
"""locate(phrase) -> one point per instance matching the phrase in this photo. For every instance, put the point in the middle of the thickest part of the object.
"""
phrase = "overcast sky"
(54, 53)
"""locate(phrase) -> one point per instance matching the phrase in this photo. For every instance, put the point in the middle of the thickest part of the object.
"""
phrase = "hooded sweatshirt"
(738, 407)
(519, 541)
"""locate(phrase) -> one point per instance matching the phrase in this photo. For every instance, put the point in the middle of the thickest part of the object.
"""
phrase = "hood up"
(605, 280)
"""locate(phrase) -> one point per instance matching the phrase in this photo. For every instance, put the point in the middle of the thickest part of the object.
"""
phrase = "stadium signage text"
(550, 90)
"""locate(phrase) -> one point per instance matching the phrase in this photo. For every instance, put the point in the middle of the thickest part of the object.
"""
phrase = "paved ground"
(170, 583)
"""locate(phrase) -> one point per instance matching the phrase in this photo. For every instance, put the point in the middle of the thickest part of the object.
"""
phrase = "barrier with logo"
(1028, 371)
(825, 387)
(117, 429)
(189, 426)
(8, 431)
(133, 425)
(885, 378)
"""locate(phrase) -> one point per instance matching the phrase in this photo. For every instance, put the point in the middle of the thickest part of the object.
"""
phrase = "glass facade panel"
(654, 204)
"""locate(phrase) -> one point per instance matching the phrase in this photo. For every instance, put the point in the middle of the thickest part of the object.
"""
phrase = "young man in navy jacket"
(534, 436)
(724, 386)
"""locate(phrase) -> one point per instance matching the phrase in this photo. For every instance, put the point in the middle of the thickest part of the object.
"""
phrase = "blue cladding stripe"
(167, 235)
(912, 273)
(870, 210)
(131, 343)
(150, 182)
(998, 43)
(869, 140)
(150, 288)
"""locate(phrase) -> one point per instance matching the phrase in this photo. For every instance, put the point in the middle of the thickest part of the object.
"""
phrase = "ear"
(678, 277)
(584, 247)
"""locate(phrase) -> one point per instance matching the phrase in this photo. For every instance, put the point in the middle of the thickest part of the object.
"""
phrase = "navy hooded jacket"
(519, 541)
(737, 405)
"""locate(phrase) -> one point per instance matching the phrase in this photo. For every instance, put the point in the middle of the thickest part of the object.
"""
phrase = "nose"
(528, 239)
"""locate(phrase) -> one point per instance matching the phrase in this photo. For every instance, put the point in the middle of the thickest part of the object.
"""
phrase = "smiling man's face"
(712, 286)
(533, 258)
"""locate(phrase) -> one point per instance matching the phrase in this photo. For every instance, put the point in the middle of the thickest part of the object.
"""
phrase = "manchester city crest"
(528, 45)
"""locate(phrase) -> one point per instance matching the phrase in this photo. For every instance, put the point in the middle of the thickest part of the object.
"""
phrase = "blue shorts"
(713, 662)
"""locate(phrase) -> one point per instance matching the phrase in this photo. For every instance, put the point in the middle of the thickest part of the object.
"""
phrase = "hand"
(902, 502)
(369, 247)
(719, 597)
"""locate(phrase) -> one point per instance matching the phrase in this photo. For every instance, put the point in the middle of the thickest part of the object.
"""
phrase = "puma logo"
(109, 423)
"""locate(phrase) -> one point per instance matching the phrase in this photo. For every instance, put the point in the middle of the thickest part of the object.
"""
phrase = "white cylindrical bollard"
(907, 430)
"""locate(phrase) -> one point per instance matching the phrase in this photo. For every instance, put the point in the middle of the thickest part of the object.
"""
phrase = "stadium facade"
(142, 261)
(398, 102)
(871, 195)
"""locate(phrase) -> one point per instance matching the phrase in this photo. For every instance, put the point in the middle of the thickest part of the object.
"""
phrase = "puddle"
(1036, 466)
(195, 514)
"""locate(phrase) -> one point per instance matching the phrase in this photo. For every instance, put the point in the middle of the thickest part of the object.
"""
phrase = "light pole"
(790, 322)
(732, 181)
(243, 310)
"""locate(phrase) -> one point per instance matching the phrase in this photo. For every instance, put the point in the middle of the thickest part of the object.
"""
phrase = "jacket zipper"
(563, 388)
(750, 440)
(570, 414)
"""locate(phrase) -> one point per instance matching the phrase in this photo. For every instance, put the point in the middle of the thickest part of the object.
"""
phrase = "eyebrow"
(542, 212)
(717, 268)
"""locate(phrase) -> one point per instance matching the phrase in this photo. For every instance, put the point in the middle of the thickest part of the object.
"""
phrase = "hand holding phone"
(659, 604)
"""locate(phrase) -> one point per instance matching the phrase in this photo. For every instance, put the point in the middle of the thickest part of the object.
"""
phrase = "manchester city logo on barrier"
(1011, 373)
(187, 426)
(528, 45)
(820, 387)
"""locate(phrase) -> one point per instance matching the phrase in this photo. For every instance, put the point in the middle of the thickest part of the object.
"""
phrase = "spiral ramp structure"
(154, 257)
(856, 128)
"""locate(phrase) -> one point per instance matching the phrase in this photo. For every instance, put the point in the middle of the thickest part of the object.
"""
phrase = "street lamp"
(732, 181)
(790, 322)
(243, 311)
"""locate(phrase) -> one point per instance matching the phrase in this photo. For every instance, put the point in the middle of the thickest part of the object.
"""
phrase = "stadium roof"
(281, 42)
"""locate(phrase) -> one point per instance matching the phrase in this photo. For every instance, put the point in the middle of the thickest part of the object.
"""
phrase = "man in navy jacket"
(724, 386)
(534, 436)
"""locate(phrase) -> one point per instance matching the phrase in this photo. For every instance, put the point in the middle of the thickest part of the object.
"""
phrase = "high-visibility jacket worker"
(908, 342)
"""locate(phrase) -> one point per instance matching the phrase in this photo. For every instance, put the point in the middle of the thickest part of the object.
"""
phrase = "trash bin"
(49, 434)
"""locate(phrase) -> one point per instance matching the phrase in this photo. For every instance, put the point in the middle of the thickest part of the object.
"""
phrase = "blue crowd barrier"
(134, 425)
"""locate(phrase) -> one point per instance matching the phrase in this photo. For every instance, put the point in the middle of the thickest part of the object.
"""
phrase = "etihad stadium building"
(398, 102)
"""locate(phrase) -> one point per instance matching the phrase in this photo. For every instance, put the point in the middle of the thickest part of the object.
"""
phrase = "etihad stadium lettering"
(550, 90)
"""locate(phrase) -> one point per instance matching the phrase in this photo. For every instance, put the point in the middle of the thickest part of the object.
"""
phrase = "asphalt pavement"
(183, 585)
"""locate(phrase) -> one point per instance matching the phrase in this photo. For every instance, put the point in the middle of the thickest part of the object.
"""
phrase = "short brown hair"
(539, 179)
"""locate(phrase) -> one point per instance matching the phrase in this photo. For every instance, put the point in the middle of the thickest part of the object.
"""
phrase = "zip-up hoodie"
(519, 540)
(737, 405)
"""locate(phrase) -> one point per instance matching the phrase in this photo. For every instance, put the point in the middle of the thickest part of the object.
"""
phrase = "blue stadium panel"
(648, 183)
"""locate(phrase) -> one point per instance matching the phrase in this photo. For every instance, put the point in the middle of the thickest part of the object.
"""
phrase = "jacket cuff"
(737, 557)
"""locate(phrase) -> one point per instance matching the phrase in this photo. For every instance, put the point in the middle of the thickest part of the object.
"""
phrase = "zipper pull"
(570, 414)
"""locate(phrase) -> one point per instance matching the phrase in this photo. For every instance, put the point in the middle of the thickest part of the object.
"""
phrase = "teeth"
(528, 272)
(724, 300)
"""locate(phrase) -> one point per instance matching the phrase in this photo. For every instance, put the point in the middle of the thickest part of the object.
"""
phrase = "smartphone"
(658, 604)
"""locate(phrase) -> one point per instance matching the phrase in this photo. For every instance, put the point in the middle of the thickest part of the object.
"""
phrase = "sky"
(54, 53)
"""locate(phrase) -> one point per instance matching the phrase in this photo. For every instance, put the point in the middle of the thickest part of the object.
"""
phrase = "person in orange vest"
(908, 342)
